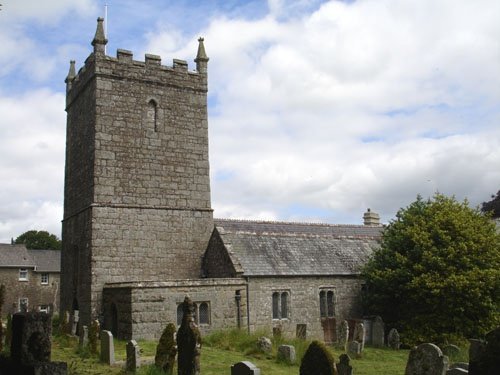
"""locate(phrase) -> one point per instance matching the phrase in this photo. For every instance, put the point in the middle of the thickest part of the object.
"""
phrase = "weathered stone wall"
(304, 306)
(32, 289)
(154, 304)
(137, 195)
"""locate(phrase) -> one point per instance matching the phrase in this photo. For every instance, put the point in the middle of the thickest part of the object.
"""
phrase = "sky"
(318, 110)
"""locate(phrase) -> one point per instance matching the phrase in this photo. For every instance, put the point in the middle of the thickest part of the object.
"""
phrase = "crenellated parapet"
(124, 67)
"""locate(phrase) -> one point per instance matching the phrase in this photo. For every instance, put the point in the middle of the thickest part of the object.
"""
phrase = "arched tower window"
(179, 314)
(204, 314)
(152, 114)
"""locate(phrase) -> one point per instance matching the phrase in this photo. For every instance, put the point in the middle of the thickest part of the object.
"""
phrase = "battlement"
(123, 66)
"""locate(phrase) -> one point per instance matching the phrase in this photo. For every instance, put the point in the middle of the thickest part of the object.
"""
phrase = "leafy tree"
(492, 206)
(39, 240)
(437, 272)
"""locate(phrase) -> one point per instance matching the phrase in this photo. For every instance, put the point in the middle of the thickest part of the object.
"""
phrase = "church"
(138, 229)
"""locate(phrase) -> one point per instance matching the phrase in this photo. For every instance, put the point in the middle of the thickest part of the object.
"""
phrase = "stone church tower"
(137, 190)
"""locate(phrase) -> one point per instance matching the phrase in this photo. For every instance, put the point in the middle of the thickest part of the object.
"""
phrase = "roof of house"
(40, 260)
(259, 248)
(46, 260)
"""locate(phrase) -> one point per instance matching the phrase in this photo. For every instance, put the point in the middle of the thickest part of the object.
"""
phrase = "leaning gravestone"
(426, 359)
(286, 353)
(133, 356)
(95, 328)
(244, 368)
(317, 360)
(301, 331)
(378, 332)
(343, 367)
(31, 346)
(393, 340)
(359, 334)
(343, 335)
(354, 349)
(84, 338)
(107, 348)
(188, 342)
(75, 318)
(166, 350)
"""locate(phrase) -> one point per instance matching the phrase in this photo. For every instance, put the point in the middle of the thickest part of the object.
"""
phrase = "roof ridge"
(297, 223)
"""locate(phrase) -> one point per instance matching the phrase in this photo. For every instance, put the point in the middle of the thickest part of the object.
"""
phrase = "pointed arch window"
(152, 115)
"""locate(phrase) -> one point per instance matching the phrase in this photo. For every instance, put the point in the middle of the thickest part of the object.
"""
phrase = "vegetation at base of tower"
(436, 275)
(39, 240)
(493, 206)
(317, 360)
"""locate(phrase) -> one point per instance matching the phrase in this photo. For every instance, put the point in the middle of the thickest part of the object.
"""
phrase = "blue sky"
(317, 109)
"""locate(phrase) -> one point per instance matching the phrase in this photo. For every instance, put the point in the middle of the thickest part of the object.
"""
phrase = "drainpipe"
(237, 297)
(248, 305)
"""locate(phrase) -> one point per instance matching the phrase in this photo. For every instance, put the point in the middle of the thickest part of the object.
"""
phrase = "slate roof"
(15, 256)
(46, 260)
(261, 248)
(40, 260)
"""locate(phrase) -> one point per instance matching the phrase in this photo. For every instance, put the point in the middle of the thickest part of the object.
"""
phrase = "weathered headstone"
(343, 367)
(133, 356)
(265, 344)
(188, 342)
(244, 368)
(301, 331)
(74, 322)
(31, 346)
(426, 359)
(107, 347)
(64, 323)
(378, 332)
(84, 337)
(94, 330)
(317, 360)
(456, 371)
(277, 332)
(450, 350)
(476, 349)
(343, 335)
(166, 350)
(359, 334)
(393, 340)
(287, 353)
(354, 349)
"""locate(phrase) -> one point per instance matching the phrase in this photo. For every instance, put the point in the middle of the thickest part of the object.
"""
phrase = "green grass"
(221, 350)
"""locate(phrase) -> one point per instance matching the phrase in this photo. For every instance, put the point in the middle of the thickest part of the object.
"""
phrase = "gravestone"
(31, 346)
(244, 368)
(95, 328)
(456, 371)
(378, 332)
(343, 335)
(265, 344)
(393, 340)
(484, 358)
(64, 325)
(277, 331)
(343, 367)
(287, 353)
(368, 324)
(317, 360)
(188, 342)
(426, 359)
(354, 349)
(84, 337)
(107, 348)
(462, 365)
(301, 331)
(359, 334)
(74, 322)
(133, 356)
(166, 350)
(450, 350)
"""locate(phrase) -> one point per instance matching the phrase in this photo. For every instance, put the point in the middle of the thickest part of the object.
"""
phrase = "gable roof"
(259, 248)
(15, 256)
(40, 260)
(46, 260)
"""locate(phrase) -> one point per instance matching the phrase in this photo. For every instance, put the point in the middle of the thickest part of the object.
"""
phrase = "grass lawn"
(220, 353)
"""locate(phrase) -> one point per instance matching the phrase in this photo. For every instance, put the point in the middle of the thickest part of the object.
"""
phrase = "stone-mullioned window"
(281, 305)
(201, 313)
(327, 303)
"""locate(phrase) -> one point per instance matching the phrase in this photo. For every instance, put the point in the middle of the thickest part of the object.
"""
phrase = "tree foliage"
(39, 240)
(437, 272)
(492, 206)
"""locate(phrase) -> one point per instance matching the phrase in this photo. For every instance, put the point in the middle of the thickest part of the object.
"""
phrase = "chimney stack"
(371, 218)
